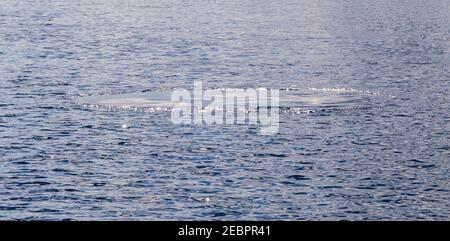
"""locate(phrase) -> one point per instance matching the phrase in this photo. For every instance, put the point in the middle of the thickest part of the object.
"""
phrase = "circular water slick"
(325, 97)
(142, 99)
(309, 99)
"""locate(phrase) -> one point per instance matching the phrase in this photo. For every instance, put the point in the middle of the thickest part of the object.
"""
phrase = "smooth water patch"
(288, 98)
(142, 99)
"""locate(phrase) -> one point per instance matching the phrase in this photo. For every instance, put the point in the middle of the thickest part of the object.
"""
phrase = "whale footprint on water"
(137, 99)
(288, 98)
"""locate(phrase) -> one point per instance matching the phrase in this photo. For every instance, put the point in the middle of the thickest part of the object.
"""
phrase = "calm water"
(386, 157)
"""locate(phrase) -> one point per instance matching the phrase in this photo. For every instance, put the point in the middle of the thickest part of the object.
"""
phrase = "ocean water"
(374, 146)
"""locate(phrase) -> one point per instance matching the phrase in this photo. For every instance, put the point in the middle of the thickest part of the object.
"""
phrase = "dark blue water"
(386, 157)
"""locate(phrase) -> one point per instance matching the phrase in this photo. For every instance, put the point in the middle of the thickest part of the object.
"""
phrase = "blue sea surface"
(384, 156)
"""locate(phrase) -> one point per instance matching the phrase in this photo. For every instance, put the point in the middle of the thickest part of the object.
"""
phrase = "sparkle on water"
(364, 133)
